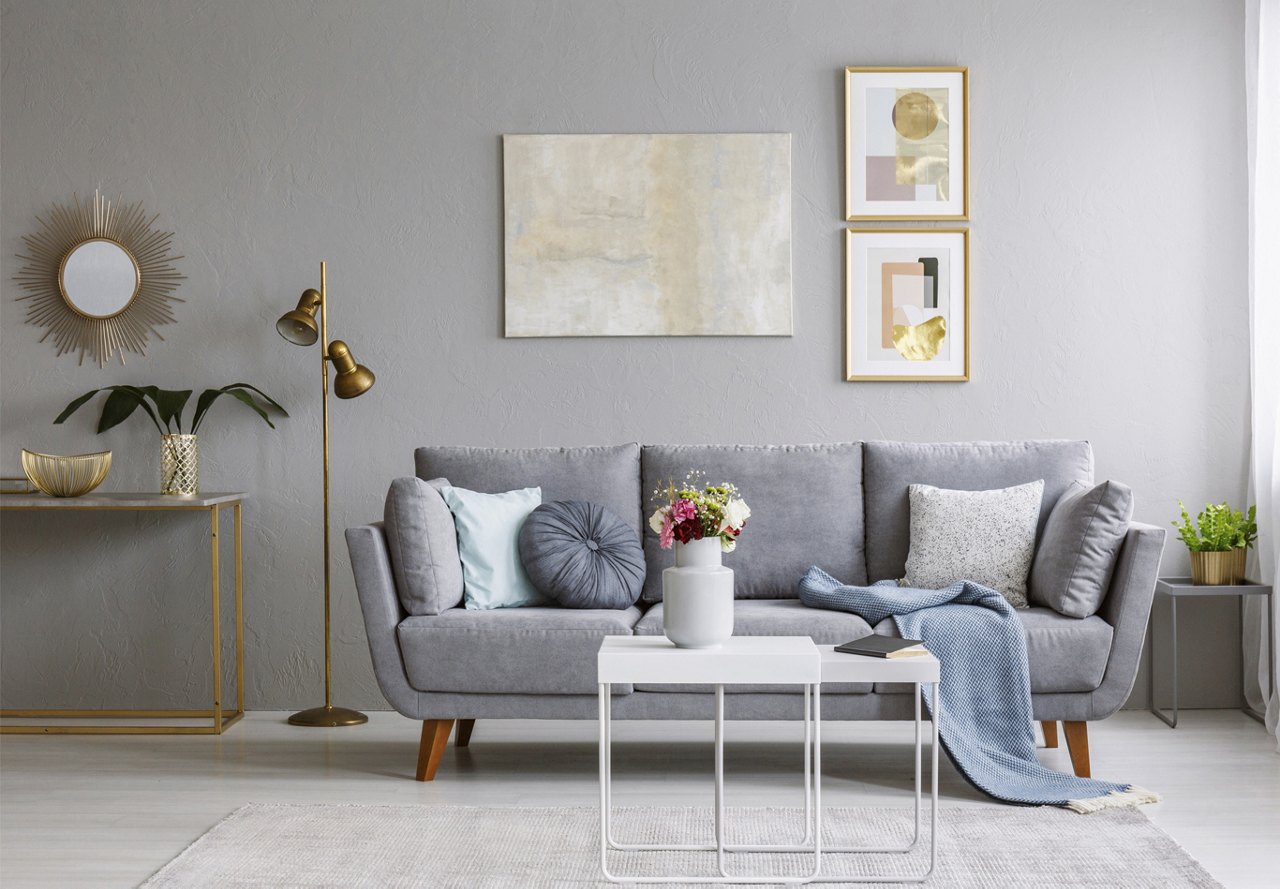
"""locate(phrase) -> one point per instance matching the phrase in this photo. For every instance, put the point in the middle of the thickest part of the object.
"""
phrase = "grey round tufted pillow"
(582, 556)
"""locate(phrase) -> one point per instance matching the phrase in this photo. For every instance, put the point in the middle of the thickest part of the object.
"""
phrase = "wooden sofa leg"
(1050, 727)
(435, 734)
(1078, 745)
(463, 737)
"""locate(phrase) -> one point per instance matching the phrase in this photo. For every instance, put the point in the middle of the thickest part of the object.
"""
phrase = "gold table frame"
(221, 719)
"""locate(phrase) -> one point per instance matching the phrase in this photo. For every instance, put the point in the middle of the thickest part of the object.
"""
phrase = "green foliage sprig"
(1218, 528)
(169, 404)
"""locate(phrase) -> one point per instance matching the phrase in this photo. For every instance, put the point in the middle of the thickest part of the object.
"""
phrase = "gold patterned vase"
(1218, 569)
(179, 465)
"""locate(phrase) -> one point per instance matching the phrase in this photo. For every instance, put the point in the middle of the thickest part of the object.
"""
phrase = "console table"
(220, 718)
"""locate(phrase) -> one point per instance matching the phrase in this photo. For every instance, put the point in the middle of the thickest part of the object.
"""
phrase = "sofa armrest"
(376, 587)
(1128, 608)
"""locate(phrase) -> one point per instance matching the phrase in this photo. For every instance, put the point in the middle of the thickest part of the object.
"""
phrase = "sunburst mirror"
(100, 278)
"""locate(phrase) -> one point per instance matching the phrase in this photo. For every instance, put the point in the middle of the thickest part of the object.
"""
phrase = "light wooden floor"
(107, 811)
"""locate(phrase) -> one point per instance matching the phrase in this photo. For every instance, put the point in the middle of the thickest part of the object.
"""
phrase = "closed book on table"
(883, 646)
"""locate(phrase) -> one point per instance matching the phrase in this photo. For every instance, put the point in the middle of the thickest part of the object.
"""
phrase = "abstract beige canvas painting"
(648, 235)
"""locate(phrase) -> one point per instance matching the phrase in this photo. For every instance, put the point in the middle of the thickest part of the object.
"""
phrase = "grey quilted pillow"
(582, 556)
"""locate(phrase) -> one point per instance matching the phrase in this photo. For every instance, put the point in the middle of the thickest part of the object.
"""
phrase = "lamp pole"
(324, 414)
(328, 715)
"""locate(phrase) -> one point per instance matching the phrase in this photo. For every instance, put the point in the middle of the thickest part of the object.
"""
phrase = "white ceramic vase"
(697, 596)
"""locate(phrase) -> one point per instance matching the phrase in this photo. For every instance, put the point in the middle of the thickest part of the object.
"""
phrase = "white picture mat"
(856, 116)
(861, 360)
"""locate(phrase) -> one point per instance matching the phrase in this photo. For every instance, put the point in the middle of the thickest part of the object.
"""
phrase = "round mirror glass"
(99, 278)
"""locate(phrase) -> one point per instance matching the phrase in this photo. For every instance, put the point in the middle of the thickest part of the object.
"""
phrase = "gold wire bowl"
(66, 476)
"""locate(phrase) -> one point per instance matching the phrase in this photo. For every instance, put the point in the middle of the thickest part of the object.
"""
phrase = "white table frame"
(835, 668)
(779, 660)
(918, 672)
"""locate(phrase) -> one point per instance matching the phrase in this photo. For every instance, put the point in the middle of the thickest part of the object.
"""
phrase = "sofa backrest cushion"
(806, 509)
(889, 467)
(609, 476)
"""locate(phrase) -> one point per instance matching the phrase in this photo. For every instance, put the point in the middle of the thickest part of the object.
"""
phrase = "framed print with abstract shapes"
(906, 143)
(907, 304)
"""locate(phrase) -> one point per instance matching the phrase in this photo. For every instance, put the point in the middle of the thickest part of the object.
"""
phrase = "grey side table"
(1179, 587)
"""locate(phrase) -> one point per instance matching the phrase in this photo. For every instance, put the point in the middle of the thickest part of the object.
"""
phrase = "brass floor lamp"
(350, 380)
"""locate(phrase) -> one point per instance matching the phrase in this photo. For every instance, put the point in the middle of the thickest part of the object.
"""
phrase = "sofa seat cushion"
(806, 503)
(772, 617)
(1065, 654)
(532, 650)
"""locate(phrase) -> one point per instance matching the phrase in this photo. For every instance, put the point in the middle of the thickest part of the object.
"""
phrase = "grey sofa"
(841, 506)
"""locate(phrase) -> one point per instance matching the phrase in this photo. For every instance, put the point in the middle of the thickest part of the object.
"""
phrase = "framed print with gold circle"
(906, 143)
(907, 305)
(99, 278)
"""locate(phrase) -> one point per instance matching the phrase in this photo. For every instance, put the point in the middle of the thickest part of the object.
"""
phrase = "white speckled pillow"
(988, 537)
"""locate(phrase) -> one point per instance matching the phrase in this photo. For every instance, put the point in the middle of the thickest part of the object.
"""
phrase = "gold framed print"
(907, 304)
(906, 143)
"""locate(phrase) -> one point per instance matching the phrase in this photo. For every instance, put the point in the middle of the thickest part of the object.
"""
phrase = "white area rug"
(458, 846)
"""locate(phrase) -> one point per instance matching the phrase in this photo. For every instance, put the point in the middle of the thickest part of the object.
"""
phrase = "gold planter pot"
(1218, 569)
(179, 465)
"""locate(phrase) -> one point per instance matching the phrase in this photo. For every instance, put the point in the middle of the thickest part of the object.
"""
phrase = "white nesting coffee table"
(782, 660)
(918, 671)
(755, 660)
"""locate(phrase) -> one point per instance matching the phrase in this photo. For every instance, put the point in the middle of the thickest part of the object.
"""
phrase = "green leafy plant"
(166, 405)
(1218, 528)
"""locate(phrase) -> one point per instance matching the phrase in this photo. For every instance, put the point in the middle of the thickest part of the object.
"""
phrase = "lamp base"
(328, 717)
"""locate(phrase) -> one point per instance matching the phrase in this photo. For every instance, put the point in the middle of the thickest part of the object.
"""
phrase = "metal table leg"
(813, 804)
(1271, 660)
(814, 829)
(217, 620)
(1171, 721)
(933, 810)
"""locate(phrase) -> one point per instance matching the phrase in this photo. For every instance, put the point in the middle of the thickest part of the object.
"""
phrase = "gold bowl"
(66, 476)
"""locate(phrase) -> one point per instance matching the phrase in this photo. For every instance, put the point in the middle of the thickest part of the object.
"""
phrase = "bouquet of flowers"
(689, 513)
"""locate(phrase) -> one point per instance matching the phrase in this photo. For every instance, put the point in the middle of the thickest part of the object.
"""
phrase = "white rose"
(736, 513)
(655, 520)
(727, 545)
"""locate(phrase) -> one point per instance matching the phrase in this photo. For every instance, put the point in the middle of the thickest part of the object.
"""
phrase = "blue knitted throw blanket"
(986, 726)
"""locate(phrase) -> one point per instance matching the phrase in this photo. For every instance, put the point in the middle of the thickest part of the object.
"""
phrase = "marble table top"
(120, 500)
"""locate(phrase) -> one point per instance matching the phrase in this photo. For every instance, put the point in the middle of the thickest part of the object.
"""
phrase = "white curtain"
(1262, 85)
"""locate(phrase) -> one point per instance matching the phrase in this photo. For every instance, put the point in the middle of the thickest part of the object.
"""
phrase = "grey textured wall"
(1108, 273)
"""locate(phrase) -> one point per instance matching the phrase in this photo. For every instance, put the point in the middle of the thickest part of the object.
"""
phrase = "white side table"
(779, 660)
(919, 670)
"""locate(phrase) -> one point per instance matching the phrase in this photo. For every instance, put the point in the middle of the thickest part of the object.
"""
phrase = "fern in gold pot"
(1217, 541)
(179, 449)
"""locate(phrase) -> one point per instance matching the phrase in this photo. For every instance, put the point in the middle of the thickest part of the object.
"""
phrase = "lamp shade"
(299, 325)
(350, 379)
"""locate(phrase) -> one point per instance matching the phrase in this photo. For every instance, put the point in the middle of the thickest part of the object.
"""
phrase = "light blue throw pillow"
(489, 546)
